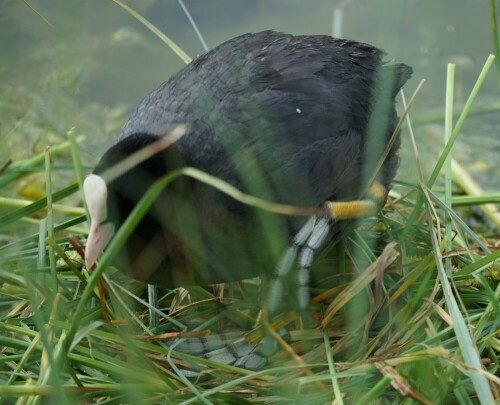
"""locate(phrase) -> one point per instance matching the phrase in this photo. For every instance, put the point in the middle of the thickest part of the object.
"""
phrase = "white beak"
(96, 195)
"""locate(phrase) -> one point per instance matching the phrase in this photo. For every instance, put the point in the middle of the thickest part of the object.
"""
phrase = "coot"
(298, 120)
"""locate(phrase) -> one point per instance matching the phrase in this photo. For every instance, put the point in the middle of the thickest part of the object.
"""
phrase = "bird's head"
(120, 180)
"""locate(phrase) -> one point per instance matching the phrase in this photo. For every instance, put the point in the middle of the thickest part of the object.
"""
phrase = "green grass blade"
(50, 218)
(464, 200)
(194, 25)
(77, 162)
(465, 342)
(30, 6)
(477, 265)
(461, 119)
(36, 206)
(495, 35)
(456, 130)
(333, 372)
(448, 123)
(166, 40)
(18, 169)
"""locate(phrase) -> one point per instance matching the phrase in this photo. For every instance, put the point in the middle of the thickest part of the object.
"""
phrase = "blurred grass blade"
(166, 40)
(472, 188)
(18, 169)
(448, 123)
(238, 195)
(21, 203)
(413, 141)
(333, 372)
(52, 243)
(31, 238)
(461, 119)
(30, 6)
(495, 36)
(82, 333)
(486, 198)
(395, 134)
(50, 217)
(481, 109)
(36, 206)
(77, 163)
(194, 25)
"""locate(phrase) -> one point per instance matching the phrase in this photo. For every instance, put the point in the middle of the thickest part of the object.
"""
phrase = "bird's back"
(294, 106)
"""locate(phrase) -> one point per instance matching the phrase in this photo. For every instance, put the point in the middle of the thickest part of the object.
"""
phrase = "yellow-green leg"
(312, 237)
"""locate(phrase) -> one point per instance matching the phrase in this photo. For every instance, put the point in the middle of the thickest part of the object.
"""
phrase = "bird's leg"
(304, 245)
(311, 238)
(371, 204)
(237, 351)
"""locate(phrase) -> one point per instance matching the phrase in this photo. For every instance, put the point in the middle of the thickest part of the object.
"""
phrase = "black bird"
(297, 120)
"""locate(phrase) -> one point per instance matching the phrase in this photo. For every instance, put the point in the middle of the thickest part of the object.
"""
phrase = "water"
(95, 62)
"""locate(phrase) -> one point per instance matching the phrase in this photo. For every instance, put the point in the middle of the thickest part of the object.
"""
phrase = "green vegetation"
(405, 311)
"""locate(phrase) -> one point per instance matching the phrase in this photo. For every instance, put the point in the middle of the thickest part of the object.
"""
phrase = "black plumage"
(285, 118)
